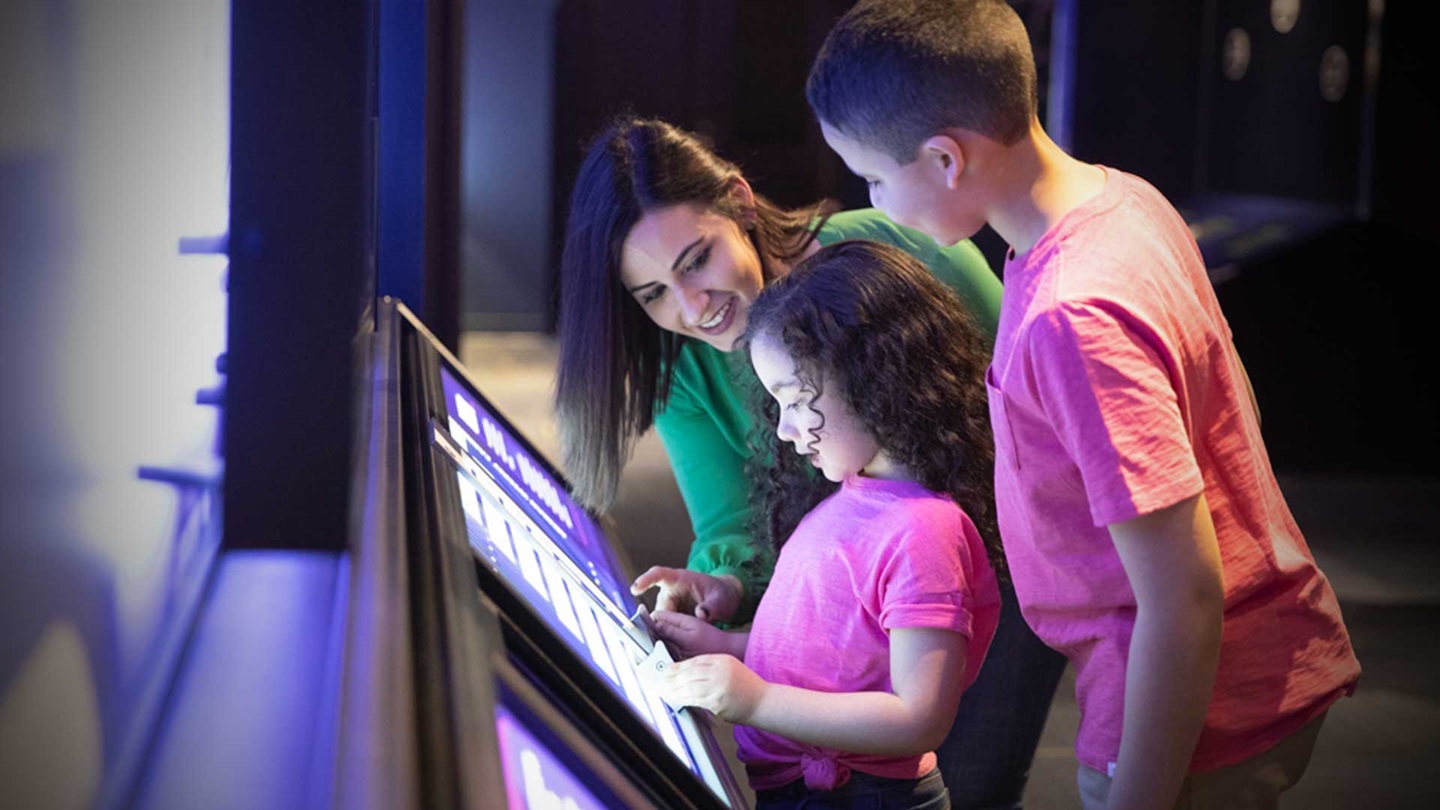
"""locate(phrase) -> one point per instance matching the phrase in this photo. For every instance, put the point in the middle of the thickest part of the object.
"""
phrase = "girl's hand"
(720, 684)
(687, 636)
(710, 598)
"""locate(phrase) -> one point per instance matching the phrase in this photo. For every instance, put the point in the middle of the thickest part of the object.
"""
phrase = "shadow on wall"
(57, 699)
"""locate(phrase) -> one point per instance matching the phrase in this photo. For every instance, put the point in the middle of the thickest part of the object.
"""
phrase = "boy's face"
(915, 195)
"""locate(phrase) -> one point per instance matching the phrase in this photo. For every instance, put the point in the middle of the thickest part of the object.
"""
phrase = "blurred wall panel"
(506, 137)
(113, 148)
(1284, 99)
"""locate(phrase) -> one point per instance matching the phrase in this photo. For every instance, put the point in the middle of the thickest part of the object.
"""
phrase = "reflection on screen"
(514, 512)
(487, 439)
(534, 776)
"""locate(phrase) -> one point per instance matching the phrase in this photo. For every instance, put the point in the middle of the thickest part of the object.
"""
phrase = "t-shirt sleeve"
(710, 475)
(1104, 381)
(923, 576)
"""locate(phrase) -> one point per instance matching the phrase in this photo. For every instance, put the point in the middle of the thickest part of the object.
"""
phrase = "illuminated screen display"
(523, 524)
(546, 502)
(535, 777)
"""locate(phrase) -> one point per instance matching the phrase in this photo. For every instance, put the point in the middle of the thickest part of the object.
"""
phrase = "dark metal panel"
(300, 277)
(377, 755)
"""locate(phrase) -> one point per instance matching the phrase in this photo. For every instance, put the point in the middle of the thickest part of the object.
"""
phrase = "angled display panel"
(563, 571)
(550, 569)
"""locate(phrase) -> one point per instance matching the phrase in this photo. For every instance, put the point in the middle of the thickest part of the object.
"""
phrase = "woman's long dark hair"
(903, 353)
(614, 365)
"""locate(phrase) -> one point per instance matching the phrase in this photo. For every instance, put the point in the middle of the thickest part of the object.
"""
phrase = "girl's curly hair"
(907, 359)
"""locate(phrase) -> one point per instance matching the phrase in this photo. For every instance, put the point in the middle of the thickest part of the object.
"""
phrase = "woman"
(666, 247)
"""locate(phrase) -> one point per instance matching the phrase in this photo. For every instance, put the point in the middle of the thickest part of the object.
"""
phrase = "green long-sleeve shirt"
(705, 426)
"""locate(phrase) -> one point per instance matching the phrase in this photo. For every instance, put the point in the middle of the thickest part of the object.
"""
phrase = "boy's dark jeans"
(985, 760)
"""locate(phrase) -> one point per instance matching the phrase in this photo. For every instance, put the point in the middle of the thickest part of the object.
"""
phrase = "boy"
(1147, 537)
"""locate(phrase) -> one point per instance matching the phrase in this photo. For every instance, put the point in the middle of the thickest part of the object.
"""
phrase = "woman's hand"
(687, 636)
(718, 683)
(684, 591)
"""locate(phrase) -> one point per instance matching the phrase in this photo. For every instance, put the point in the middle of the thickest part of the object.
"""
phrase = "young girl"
(882, 593)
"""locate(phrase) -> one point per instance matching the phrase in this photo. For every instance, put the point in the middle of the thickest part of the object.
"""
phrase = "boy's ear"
(743, 195)
(948, 156)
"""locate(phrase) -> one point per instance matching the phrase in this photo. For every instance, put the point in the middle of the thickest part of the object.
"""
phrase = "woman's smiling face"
(694, 271)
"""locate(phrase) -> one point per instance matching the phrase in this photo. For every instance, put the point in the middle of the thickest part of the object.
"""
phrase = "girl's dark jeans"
(861, 792)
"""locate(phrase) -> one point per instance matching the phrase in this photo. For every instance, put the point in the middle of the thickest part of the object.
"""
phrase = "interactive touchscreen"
(487, 440)
(535, 775)
(523, 524)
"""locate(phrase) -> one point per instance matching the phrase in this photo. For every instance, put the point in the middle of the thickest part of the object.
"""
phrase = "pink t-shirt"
(874, 556)
(1115, 391)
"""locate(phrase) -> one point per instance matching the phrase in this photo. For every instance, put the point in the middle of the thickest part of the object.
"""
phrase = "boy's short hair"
(891, 73)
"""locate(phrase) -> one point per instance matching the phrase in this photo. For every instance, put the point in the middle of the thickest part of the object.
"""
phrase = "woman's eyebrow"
(685, 251)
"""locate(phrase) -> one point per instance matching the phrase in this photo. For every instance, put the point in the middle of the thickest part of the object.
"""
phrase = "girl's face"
(822, 428)
(694, 271)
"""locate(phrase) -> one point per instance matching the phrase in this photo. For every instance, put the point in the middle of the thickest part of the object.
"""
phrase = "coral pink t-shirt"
(874, 556)
(1115, 391)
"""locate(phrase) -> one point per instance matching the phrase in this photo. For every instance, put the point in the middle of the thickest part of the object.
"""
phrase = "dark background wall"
(1318, 203)
(734, 72)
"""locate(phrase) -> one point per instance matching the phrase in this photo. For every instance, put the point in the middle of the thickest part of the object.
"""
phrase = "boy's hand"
(711, 598)
(720, 684)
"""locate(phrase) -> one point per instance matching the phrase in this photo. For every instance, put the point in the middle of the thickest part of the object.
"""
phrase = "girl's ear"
(742, 194)
(946, 155)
